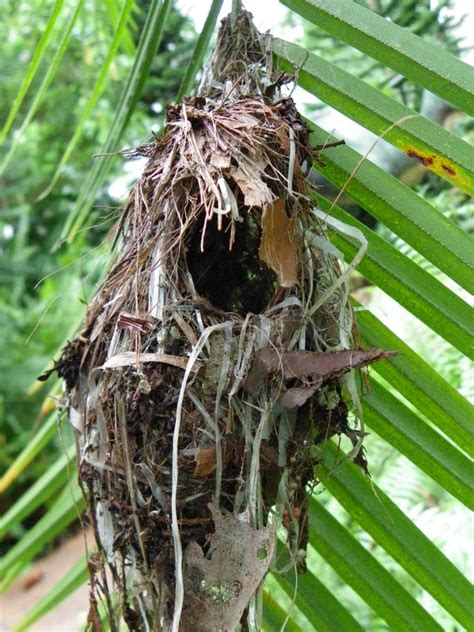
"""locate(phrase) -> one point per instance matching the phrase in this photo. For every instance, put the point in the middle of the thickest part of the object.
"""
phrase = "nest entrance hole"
(232, 280)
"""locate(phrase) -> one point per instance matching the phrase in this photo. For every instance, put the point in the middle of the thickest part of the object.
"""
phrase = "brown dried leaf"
(255, 191)
(220, 584)
(296, 397)
(302, 364)
(206, 461)
(329, 365)
(278, 246)
(265, 361)
(220, 159)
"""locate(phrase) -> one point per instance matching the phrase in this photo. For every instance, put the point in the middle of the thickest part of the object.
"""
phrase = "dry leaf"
(296, 397)
(206, 463)
(255, 191)
(329, 365)
(320, 367)
(244, 120)
(128, 358)
(219, 585)
(220, 159)
(278, 244)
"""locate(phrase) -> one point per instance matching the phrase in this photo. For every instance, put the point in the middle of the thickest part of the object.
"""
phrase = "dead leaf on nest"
(278, 244)
(220, 159)
(206, 463)
(296, 397)
(254, 189)
(320, 367)
(219, 584)
(244, 120)
(128, 358)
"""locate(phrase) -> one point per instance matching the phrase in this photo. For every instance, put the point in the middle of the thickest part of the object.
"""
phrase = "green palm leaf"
(399, 208)
(414, 288)
(366, 575)
(75, 577)
(420, 61)
(420, 384)
(315, 601)
(440, 151)
(36, 60)
(393, 531)
(149, 42)
(118, 37)
(42, 90)
(66, 509)
(200, 49)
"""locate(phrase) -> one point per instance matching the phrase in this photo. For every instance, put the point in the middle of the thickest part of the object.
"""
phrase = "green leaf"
(440, 151)
(274, 617)
(420, 61)
(200, 49)
(429, 232)
(315, 601)
(365, 574)
(147, 47)
(65, 510)
(73, 579)
(32, 68)
(397, 534)
(415, 439)
(54, 478)
(421, 385)
(34, 447)
(127, 44)
(405, 281)
(41, 92)
(97, 91)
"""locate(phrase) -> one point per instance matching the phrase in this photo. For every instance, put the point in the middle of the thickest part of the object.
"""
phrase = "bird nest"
(213, 358)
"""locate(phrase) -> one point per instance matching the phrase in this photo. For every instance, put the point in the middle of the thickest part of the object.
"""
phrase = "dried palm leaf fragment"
(278, 247)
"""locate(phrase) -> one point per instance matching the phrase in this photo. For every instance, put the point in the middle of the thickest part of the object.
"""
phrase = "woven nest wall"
(212, 358)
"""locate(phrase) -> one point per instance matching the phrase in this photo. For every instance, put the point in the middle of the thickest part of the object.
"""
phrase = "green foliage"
(383, 54)
(81, 68)
(75, 577)
(379, 554)
(441, 152)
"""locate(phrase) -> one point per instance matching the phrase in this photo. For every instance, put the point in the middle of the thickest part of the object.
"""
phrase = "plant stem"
(236, 8)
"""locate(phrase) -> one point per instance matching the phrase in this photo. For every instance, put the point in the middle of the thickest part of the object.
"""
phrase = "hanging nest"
(213, 358)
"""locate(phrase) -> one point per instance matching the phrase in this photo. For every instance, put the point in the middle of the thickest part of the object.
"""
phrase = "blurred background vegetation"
(45, 282)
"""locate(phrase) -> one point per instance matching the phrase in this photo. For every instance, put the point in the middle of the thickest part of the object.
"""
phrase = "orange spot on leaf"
(426, 160)
(449, 170)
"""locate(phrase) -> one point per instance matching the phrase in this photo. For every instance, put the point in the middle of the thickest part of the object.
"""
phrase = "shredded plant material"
(213, 357)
